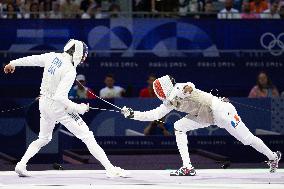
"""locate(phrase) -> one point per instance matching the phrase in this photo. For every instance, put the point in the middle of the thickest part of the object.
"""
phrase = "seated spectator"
(141, 6)
(11, 12)
(47, 8)
(148, 92)
(79, 92)
(20, 8)
(164, 5)
(94, 11)
(187, 6)
(264, 87)
(26, 8)
(42, 13)
(111, 91)
(85, 5)
(55, 13)
(158, 128)
(229, 12)
(281, 11)
(99, 14)
(69, 9)
(114, 10)
(88, 9)
(258, 6)
(246, 14)
(90, 13)
(33, 12)
(209, 10)
(272, 12)
(2, 8)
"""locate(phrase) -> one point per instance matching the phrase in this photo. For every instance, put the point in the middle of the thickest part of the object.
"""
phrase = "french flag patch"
(236, 121)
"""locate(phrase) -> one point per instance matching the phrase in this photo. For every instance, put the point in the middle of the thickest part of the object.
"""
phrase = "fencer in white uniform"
(55, 107)
(203, 109)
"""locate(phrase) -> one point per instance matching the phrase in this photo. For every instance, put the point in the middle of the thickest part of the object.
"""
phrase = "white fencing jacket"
(58, 76)
(198, 105)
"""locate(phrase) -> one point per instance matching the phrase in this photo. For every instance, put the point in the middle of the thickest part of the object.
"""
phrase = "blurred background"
(233, 49)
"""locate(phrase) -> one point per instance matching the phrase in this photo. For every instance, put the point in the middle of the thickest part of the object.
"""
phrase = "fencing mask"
(163, 86)
(78, 50)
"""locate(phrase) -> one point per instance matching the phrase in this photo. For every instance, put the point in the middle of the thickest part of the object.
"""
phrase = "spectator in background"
(87, 9)
(45, 8)
(246, 14)
(77, 3)
(11, 13)
(258, 6)
(209, 10)
(183, 7)
(191, 6)
(281, 10)
(148, 92)
(94, 11)
(264, 87)
(85, 5)
(141, 6)
(111, 91)
(56, 13)
(69, 9)
(272, 12)
(79, 92)
(158, 127)
(229, 12)
(114, 10)
(42, 13)
(99, 14)
(20, 7)
(2, 8)
(26, 8)
(167, 6)
(34, 11)
(90, 13)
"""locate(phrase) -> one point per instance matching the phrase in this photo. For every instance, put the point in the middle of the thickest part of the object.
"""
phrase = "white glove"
(82, 108)
(127, 112)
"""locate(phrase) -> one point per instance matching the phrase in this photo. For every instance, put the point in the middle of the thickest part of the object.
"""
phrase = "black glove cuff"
(131, 115)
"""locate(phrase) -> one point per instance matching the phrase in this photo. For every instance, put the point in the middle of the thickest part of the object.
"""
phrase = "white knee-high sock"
(247, 138)
(181, 139)
(33, 148)
(97, 152)
(259, 145)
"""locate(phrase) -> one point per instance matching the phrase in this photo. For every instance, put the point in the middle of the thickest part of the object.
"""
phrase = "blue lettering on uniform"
(51, 70)
(56, 63)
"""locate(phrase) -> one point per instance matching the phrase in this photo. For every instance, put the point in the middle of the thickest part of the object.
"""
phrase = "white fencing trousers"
(226, 117)
(182, 126)
(52, 112)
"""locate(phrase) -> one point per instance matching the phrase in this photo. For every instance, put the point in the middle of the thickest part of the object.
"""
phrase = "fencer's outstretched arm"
(34, 60)
(152, 115)
(61, 94)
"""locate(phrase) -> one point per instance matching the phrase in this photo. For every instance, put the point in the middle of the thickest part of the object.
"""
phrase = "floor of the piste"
(142, 179)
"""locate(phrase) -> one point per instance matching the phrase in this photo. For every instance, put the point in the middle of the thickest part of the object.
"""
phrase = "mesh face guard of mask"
(163, 87)
(79, 52)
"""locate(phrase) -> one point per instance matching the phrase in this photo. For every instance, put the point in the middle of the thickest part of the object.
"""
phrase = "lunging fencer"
(58, 77)
(203, 109)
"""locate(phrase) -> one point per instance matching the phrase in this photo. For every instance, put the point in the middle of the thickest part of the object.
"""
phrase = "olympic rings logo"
(275, 42)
